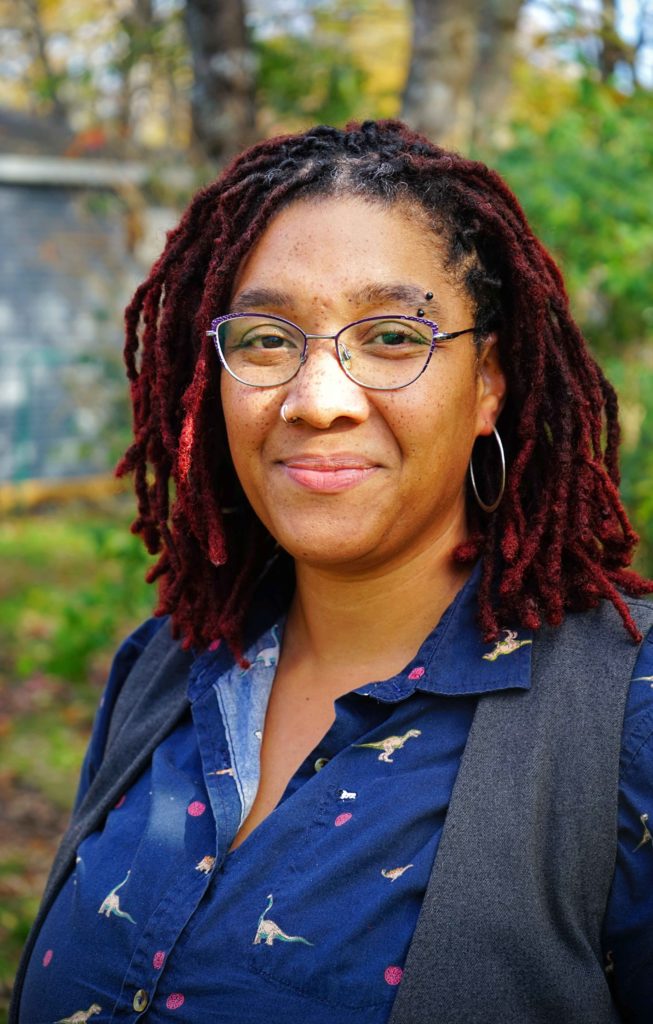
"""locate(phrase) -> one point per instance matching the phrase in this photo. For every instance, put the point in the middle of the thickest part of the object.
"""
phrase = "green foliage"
(579, 159)
(71, 588)
(585, 181)
(632, 375)
(71, 585)
(351, 63)
(298, 78)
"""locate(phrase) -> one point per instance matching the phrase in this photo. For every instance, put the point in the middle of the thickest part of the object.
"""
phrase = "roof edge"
(19, 169)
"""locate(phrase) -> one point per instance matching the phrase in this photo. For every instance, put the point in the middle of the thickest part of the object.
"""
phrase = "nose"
(322, 393)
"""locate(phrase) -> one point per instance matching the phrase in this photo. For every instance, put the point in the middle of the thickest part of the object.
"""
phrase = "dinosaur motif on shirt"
(267, 930)
(205, 864)
(394, 873)
(391, 744)
(509, 644)
(646, 837)
(111, 903)
(81, 1016)
(268, 656)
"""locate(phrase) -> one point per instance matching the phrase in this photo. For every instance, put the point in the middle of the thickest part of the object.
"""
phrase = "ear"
(491, 386)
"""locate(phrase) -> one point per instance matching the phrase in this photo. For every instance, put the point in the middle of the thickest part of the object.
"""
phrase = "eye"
(265, 338)
(390, 338)
(396, 334)
(394, 337)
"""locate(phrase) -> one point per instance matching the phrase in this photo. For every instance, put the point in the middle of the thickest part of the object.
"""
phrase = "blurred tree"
(613, 47)
(583, 173)
(612, 37)
(47, 81)
(340, 60)
(224, 78)
(460, 70)
(580, 160)
(116, 76)
(148, 67)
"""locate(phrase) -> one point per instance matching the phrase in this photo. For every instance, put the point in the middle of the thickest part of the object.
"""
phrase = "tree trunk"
(136, 24)
(223, 94)
(459, 75)
(614, 49)
(39, 42)
(492, 80)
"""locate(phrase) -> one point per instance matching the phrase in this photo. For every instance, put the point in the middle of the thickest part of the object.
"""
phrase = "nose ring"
(284, 415)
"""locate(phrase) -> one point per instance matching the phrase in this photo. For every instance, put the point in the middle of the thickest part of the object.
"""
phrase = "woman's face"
(363, 479)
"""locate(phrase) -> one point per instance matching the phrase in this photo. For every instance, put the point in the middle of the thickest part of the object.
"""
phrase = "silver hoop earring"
(495, 504)
(284, 415)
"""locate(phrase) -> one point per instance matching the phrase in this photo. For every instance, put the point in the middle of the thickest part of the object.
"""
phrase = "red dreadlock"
(559, 541)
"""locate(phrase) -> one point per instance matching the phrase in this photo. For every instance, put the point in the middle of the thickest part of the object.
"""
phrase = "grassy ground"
(71, 587)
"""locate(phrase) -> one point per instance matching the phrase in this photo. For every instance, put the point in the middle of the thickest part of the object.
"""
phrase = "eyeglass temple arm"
(449, 335)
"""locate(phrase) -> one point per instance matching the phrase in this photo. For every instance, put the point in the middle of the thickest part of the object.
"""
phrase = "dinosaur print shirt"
(310, 918)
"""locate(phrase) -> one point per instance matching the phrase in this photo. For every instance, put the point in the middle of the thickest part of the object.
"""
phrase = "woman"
(370, 452)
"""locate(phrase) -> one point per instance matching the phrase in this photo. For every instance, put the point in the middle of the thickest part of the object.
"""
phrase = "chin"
(331, 548)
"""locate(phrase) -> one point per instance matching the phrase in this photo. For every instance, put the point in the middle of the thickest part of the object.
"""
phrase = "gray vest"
(510, 927)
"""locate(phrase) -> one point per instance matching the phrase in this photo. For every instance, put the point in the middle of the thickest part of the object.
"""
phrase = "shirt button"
(320, 763)
(140, 1001)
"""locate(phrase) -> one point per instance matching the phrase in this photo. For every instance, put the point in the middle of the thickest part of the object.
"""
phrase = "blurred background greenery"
(557, 95)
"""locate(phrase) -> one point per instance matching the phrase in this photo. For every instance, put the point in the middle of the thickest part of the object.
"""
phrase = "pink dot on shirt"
(120, 802)
(175, 1000)
(393, 975)
(196, 808)
(47, 957)
(416, 673)
(157, 959)
(342, 819)
(214, 645)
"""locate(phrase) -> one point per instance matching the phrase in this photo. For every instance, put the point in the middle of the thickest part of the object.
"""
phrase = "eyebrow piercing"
(428, 296)
(420, 312)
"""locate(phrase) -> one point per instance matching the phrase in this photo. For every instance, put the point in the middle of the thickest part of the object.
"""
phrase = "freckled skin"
(419, 438)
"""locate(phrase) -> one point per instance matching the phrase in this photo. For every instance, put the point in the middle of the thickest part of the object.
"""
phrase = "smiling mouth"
(328, 475)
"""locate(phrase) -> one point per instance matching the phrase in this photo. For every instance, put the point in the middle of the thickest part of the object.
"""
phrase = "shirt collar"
(454, 660)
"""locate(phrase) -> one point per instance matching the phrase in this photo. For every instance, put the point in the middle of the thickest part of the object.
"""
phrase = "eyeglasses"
(379, 352)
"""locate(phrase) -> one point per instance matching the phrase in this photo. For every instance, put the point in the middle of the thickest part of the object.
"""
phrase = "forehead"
(359, 251)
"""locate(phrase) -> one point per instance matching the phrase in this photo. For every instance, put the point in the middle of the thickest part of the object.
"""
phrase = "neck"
(355, 629)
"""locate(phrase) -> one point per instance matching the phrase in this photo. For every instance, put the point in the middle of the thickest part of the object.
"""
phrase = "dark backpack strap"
(149, 705)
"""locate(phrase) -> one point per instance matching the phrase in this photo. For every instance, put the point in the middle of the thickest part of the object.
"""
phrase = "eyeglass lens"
(380, 352)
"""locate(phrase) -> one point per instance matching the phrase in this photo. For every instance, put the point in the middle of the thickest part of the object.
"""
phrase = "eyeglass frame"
(437, 336)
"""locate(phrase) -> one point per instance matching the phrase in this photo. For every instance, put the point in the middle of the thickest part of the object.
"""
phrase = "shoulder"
(592, 649)
(126, 656)
(637, 742)
(124, 660)
(628, 931)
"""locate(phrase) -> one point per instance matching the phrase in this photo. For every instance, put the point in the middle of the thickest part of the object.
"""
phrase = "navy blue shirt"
(310, 918)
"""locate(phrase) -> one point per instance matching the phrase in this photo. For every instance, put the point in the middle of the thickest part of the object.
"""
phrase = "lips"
(328, 474)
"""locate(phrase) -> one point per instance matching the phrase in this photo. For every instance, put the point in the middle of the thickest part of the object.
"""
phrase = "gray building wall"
(55, 304)
(66, 273)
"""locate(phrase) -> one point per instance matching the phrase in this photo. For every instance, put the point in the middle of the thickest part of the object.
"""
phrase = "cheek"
(439, 431)
(249, 418)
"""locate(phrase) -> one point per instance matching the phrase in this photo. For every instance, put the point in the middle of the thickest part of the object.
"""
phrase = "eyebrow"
(406, 294)
(412, 295)
(254, 298)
